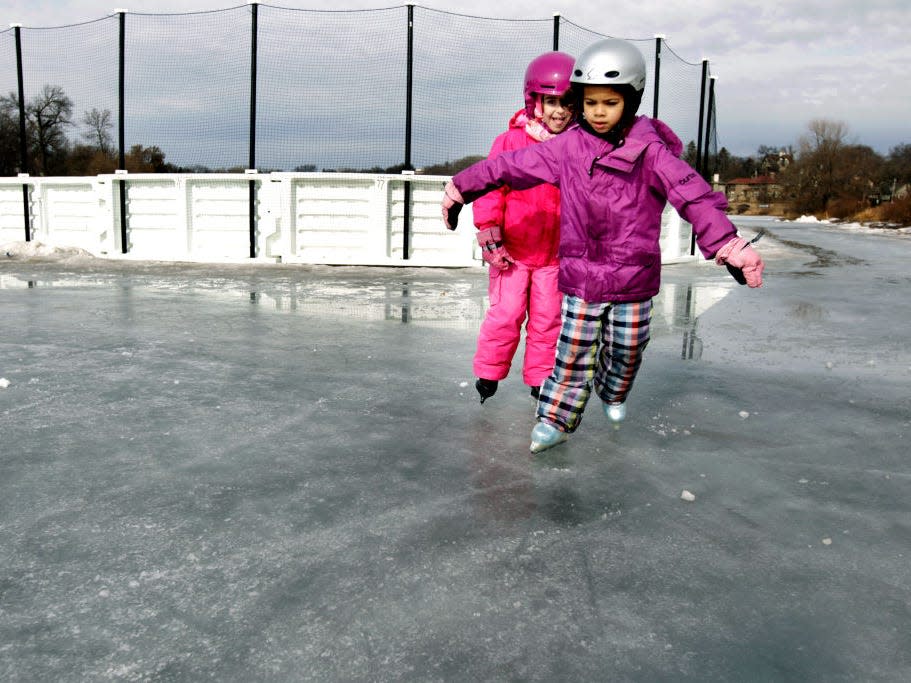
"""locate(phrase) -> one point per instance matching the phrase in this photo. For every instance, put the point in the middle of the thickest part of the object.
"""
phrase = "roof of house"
(757, 180)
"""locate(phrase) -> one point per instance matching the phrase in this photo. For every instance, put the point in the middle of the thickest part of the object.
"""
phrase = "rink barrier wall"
(313, 218)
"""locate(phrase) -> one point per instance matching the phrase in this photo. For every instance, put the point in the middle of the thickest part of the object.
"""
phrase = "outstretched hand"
(743, 262)
(452, 203)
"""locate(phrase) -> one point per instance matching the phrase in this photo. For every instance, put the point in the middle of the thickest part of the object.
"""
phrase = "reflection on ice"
(453, 299)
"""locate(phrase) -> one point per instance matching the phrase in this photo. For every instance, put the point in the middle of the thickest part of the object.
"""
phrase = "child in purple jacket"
(615, 171)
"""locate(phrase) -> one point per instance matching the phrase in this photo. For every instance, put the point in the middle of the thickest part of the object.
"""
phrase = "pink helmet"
(547, 74)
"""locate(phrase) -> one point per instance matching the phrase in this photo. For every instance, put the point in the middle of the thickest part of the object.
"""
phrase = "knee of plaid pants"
(564, 394)
(626, 333)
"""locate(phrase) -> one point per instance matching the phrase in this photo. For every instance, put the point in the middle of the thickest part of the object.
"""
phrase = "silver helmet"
(610, 62)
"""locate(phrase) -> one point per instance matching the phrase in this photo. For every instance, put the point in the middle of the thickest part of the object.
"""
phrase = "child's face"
(602, 107)
(557, 112)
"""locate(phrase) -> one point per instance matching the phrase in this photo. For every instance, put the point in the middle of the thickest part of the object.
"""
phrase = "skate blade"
(538, 446)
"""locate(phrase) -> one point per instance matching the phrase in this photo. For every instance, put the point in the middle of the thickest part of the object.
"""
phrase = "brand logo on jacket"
(684, 181)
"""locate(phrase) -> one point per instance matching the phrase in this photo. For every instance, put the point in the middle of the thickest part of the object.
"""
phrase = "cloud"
(778, 63)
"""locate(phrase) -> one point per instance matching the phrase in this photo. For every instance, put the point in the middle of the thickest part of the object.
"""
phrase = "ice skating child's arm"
(520, 169)
(700, 205)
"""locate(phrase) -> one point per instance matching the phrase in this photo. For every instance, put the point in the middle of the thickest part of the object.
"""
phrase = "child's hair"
(617, 64)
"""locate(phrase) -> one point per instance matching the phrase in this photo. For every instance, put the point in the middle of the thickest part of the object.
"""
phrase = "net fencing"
(282, 89)
(9, 113)
(187, 87)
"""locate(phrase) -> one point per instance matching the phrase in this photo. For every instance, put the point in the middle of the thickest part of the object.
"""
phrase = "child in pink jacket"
(519, 233)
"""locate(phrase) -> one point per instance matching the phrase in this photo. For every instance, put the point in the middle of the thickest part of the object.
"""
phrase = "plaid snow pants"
(600, 343)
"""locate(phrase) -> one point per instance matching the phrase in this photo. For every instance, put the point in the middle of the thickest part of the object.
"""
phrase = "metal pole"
(657, 75)
(254, 7)
(708, 126)
(121, 131)
(251, 167)
(705, 71)
(121, 117)
(121, 126)
(705, 155)
(409, 82)
(23, 142)
(556, 31)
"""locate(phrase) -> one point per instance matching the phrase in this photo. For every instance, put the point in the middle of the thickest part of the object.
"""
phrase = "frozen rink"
(283, 473)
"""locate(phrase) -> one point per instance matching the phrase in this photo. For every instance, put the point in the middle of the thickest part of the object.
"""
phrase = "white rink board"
(316, 218)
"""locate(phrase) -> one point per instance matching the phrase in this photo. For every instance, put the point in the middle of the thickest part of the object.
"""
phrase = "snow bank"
(878, 228)
(45, 252)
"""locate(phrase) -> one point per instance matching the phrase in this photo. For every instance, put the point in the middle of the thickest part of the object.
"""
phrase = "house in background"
(757, 196)
(756, 190)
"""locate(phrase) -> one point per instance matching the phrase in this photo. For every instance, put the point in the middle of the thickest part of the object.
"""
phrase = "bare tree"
(100, 125)
(823, 167)
(48, 114)
(9, 135)
(896, 172)
(146, 160)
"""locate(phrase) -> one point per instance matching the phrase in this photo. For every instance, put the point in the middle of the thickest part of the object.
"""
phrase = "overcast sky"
(778, 65)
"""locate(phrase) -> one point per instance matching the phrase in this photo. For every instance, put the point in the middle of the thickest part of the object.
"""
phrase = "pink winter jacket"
(529, 219)
(611, 204)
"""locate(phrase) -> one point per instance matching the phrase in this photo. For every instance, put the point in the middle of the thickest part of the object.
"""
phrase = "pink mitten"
(492, 249)
(452, 203)
(743, 262)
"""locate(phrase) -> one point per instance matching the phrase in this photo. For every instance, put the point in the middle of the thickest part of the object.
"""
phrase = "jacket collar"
(643, 133)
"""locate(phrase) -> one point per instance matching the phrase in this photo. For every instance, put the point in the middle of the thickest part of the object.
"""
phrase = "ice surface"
(258, 472)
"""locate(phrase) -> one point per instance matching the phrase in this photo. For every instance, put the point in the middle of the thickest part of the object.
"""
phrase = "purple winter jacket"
(611, 201)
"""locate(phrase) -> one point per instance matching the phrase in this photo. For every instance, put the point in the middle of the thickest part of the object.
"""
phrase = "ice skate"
(616, 412)
(486, 388)
(545, 436)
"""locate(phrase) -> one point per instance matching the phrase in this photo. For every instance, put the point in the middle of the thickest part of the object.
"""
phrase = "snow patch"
(46, 252)
(853, 226)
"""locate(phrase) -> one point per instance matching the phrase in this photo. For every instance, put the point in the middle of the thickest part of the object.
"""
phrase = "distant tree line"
(49, 116)
(826, 174)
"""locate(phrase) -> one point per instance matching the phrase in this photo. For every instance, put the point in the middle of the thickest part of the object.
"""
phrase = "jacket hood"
(519, 119)
(655, 130)
(644, 133)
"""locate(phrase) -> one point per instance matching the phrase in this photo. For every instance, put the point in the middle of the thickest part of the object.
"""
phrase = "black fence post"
(251, 167)
(708, 127)
(705, 71)
(658, 39)
(556, 31)
(704, 170)
(121, 131)
(23, 143)
(409, 83)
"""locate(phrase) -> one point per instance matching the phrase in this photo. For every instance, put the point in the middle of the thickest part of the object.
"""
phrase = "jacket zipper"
(591, 169)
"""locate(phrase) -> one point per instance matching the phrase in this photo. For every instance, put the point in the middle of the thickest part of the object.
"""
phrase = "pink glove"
(743, 262)
(492, 249)
(452, 203)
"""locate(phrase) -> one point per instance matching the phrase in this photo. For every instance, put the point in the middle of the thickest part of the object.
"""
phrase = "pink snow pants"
(515, 294)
